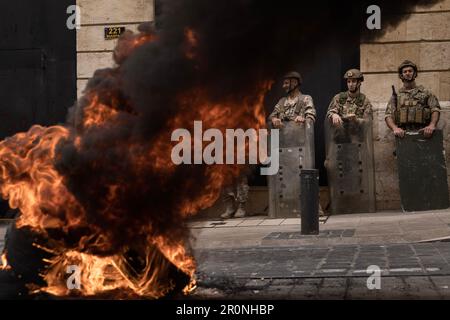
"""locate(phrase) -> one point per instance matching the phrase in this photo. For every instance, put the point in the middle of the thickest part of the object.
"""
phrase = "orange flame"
(129, 42)
(31, 183)
(108, 274)
(4, 262)
(97, 113)
(191, 43)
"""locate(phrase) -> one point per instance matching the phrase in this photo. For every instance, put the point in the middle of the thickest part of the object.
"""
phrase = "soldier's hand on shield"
(360, 121)
(277, 122)
(299, 119)
(399, 132)
(336, 120)
(428, 131)
(352, 117)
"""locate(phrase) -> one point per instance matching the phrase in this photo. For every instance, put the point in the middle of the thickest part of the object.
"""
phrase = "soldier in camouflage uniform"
(237, 194)
(349, 127)
(295, 106)
(351, 105)
(414, 108)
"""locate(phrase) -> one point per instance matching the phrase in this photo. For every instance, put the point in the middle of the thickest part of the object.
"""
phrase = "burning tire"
(25, 259)
(28, 263)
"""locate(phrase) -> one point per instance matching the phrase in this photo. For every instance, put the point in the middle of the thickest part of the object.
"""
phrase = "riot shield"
(350, 166)
(296, 152)
(422, 172)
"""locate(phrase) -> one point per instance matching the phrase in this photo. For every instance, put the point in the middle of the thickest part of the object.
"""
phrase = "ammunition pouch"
(410, 112)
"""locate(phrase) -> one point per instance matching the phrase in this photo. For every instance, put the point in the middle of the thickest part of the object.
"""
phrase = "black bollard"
(309, 199)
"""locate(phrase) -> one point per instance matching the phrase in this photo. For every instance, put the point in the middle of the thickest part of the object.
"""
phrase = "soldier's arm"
(389, 118)
(428, 130)
(435, 109)
(389, 114)
(333, 112)
(390, 123)
(310, 110)
(333, 108)
(274, 117)
(276, 112)
(368, 109)
(434, 118)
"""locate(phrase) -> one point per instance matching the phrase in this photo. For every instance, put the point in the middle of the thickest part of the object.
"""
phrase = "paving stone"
(306, 288)
(333, 288)
(357, 289)
(392, 288)
(421, 288)
(251, 222)
(442, 284)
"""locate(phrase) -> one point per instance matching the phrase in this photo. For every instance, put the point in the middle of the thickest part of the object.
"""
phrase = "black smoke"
(243, 41)
(240, 44)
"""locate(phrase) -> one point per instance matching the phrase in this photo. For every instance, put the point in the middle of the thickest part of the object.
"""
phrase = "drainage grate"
(344, 233)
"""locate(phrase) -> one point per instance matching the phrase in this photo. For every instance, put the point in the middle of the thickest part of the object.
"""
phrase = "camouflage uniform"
(287, 109)
(344, 105)
(239, 194)
(413, 109)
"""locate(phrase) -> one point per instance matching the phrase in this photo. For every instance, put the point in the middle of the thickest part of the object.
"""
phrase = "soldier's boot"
(241, 213)
(229, 210)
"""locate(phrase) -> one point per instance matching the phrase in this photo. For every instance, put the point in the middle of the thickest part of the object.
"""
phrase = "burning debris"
(151, 259)
(4, 262)
(101, 191)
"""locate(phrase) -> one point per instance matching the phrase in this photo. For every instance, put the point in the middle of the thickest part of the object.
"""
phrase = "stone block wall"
(425, 39)
(93, 51)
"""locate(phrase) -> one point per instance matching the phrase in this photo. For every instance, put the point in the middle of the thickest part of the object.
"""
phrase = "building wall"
(425, 39)
(93, 51)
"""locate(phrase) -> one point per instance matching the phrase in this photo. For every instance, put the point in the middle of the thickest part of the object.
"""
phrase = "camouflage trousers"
(238, 192)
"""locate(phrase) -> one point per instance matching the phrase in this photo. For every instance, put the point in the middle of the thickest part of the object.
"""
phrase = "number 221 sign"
(113, 32)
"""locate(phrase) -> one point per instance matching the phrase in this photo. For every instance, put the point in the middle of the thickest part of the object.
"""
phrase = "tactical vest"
(412, 110)
(359, 102)
(299, 107)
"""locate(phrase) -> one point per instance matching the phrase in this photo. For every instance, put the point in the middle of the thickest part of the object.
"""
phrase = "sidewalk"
(260, 258)
(352, 229)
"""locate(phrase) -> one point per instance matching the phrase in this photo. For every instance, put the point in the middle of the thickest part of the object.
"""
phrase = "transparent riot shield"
(422, 172)
(350, 166)
(296, 152)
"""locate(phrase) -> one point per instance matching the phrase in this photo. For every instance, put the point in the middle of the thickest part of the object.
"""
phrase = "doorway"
(37, 66)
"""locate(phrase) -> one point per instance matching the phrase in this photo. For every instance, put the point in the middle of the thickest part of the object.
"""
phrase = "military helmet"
(407, 63)
(294, 75)
(354, 74)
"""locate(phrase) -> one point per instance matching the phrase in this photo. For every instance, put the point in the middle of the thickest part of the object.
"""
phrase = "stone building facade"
(93, 51)
(424, 37)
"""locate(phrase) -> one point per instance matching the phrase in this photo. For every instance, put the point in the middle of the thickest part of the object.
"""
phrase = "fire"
(191, 39)
(4, 262)
(115, 274)
(147, 263)
(97, 113)
(30, 181)
(130, 42)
